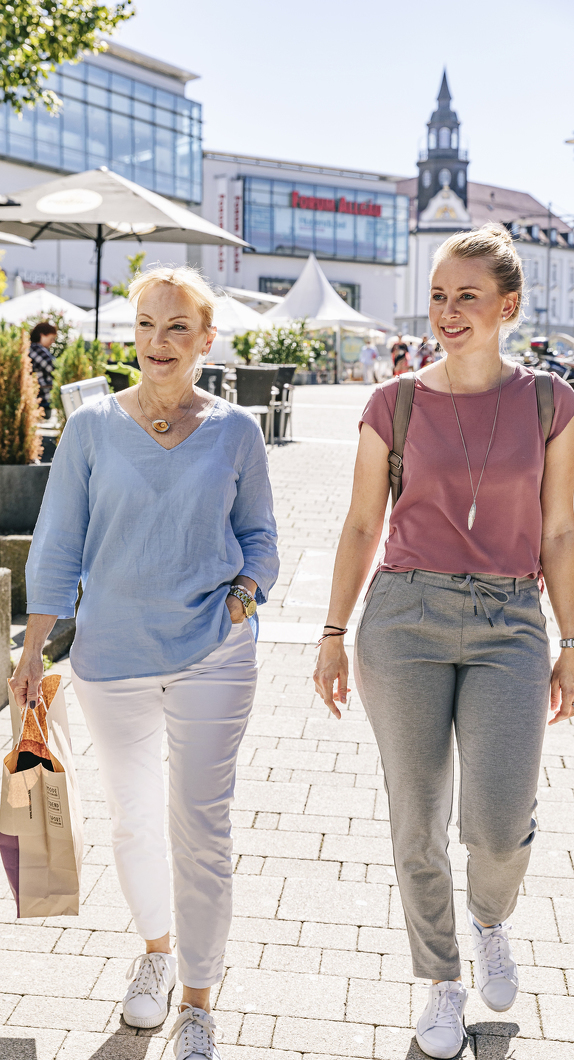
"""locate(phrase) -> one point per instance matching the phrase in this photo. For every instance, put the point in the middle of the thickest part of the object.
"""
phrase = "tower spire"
(444, 97)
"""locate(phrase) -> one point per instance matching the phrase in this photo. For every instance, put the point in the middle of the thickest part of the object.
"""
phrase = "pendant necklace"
(472, 512)
(161, 426)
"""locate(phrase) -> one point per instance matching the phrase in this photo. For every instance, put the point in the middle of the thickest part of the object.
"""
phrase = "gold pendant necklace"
(472, 512)
(161, 426)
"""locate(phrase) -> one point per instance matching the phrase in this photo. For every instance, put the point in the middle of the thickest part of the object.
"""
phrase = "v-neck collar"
(172, 449)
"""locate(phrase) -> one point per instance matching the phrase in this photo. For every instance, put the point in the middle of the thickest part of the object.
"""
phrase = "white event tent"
(40, 303)
(312, 297)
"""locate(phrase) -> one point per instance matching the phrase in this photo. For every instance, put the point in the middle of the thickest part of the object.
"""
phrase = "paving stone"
(564, 910)
(276, 843)
(312, 760)
(54, 975)
(535, 980)
(8, 1003)
(353, 870)
(257, 894)
(277, 798)
(324, 1037)
(383, 940)
(382, 1003)
(557, 1016)
(95, 918)
(99, 855)
(357, 848)
(256, 929)
(268, 821)
(330, 781)
(242, 1052)
(293, 959)
(349, 802)
(553, 954)
(113, 944)
(548, 887)
(228, 1025)
(90, 1045)
(339, 903)
(257, 1030)
(523, 1019)
(312, 823)
(21, 937)
(247, 954)
(550, 862)
(68, 1013)
(299, 869)
(352, 964)
(282, 993)
(72, 941)
(329, 936)
(29, 1043)
(491, 1048)
(249, 865)
(396, 1043)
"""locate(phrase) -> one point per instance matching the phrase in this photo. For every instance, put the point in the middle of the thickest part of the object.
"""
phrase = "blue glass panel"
(344, 233)
(258, 225)
(164, 99)
(73, 118)
(183, 105)
(97, 95)
(164, 150)
(183, 158)
(98, 135)
(164, 184)
(97, 76)
(281, 193)
(21, 134)
(121, 144)
(143, 146)
(75, 161)
(121, 104)
(120, 84)
(183, 124)
(75, 70)
(3, 122)
(164, 117)
(184, 190)
(258, 191)
(53, 81)
(73, 89)
(283, 230)
(143, 92)
(48, 126)
(143, 111)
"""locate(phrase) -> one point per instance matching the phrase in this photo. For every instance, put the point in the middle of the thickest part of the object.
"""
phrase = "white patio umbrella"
(101, 206)
(116, 321)
(232, 318)
(40, 303)
(17, 241)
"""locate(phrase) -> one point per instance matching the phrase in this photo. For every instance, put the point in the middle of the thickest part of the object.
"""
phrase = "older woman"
(159, 500)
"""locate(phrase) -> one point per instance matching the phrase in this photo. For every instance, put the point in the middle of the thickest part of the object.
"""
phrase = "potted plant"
(289, 346)
(77, 361)
(22, 478)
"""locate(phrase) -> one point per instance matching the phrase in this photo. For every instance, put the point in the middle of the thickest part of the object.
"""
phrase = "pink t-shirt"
(428, 525)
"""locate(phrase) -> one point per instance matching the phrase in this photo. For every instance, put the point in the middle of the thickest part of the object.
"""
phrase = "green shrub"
(76, 362)
(243, 345)
(287, 345)
(20, 411)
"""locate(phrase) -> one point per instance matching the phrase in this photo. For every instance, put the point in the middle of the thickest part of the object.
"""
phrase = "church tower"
(443, 164)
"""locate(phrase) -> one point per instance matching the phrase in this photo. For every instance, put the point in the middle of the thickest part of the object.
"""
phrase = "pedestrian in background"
(451, 639)
(426, 353)
(159, 500)
(368, 357)
(42, 337)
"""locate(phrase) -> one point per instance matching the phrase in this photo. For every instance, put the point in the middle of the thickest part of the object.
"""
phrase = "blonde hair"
(494, 242)
(185, 277)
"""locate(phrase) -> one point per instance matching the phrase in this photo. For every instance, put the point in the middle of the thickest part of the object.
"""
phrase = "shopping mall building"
(373, 233)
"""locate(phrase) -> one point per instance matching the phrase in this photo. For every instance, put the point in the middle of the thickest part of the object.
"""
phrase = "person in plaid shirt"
(42, 336)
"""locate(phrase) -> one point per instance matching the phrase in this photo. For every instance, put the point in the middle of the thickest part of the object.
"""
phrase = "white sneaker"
(440, 1030)
(145, 1004)
(495, 971)
(194, 1033)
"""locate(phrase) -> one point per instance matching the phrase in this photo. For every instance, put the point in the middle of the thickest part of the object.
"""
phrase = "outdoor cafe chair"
(255, 385)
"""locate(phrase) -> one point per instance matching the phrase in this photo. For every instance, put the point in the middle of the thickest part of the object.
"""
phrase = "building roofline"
(302, 167)
(149, 62)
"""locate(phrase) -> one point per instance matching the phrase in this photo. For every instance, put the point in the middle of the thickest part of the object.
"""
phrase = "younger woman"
(452, 640)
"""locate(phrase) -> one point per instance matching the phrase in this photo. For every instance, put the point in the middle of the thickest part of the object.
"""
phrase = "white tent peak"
(40, 302)
(313, 298)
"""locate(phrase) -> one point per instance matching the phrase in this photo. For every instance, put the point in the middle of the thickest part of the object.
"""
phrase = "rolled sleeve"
(54, 563)
(253, 522)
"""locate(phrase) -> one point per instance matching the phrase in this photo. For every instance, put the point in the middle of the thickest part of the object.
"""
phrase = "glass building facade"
(292, 219)
(144, 133)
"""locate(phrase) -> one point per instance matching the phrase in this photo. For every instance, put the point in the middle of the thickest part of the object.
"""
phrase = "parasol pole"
(99, 243)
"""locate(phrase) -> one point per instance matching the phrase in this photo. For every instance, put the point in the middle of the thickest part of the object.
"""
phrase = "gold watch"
(248, 601)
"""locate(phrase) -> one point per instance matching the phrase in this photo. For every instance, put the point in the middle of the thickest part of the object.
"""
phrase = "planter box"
(21, 491)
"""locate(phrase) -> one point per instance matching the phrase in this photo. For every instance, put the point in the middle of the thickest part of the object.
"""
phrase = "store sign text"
(342, 205)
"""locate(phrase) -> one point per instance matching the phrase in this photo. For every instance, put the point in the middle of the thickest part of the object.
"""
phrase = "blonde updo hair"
(189, 280)
(494, 242)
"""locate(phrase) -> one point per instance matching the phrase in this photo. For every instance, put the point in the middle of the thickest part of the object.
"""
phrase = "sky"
(353, 84)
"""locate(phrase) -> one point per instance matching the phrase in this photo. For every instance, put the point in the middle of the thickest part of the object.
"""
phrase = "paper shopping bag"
(40, 812)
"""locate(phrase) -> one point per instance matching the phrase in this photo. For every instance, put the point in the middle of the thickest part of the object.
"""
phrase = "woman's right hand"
(332, 674)
(26, 680)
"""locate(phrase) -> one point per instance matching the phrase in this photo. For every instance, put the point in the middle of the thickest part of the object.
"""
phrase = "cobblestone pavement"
(317, 963)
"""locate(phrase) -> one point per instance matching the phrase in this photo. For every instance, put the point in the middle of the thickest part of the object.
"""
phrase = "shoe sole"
(439, 1056)
(147, 1022)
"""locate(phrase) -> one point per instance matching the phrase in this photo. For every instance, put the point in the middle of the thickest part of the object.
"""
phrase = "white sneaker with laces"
(194, 1034)
(145, 1004)
(495, 971)
(440, 1030)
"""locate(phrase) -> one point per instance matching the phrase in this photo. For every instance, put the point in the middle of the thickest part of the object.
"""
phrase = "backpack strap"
(401, 418)
(544, 400)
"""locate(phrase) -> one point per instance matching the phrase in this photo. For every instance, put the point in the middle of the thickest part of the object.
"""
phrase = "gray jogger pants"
(426, 665)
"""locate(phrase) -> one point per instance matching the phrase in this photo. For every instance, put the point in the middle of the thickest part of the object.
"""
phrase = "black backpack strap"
(401, 418)
(544, 400)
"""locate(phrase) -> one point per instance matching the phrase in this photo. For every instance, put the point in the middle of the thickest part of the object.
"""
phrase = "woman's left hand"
(236, 609)
(562, 687)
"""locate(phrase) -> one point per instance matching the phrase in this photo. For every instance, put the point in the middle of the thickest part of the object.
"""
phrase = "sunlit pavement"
(317, 963)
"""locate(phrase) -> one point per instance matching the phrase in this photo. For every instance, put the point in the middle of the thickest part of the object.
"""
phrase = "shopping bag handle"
(35, 716)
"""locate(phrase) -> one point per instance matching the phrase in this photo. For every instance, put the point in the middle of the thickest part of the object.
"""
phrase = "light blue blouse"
(156, 536)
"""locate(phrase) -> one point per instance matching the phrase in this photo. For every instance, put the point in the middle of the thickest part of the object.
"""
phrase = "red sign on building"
(342, 205)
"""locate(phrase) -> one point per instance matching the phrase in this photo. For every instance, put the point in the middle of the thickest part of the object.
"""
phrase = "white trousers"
(205, 709)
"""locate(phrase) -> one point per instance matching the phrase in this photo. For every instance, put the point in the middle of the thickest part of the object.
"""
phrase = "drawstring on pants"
(477, 589)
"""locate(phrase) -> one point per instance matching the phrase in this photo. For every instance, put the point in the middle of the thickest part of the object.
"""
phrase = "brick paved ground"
(318, 960)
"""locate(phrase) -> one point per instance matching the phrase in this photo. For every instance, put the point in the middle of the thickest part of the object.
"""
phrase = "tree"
(37, 35)
(135, 262)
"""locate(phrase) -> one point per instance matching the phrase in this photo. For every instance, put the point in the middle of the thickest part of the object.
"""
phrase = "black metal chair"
(284, 384)
(211, 378)
(255, 385)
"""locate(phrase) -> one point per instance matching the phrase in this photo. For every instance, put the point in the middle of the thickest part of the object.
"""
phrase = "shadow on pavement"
(18, 1049)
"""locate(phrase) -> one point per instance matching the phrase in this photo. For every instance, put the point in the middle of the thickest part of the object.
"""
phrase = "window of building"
(535, 231)
(553, 308)
(432, 139)
(350, 292)
(444, 137)
(570, 310)
(293, 219)
(535, 272)
(454, 139)
(554, 274)
(444, 177)
(143, 133)
(460, 178)
(427, 178)
(571, 276)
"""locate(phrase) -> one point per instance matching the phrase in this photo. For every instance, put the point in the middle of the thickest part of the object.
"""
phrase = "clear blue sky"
(353, 84)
